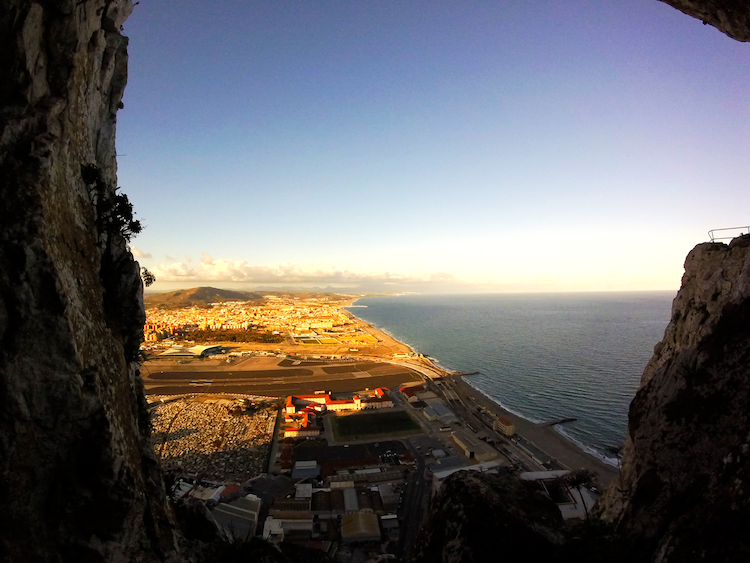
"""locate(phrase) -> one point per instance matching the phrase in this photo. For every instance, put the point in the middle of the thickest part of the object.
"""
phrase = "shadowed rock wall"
(685, 479)
(79, 482)
(483, 517)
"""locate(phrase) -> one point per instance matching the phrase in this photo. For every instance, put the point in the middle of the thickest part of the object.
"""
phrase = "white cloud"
(230, 270)
(138, 253)
(222, 270)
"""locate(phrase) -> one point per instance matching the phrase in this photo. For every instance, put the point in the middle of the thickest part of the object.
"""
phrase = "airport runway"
(269, 379)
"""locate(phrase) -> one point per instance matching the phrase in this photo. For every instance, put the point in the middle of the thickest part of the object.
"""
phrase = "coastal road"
(411, 512)
(427, 371)
(547, 444)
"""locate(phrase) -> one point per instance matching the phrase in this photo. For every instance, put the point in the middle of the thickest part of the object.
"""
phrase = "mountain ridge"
(197, 297)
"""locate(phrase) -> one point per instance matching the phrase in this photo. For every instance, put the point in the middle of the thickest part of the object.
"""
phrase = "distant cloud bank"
(240, 271)
(240, 274)
(138, 254)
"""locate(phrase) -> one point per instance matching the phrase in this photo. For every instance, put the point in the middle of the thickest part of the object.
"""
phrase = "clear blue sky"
(514, 145)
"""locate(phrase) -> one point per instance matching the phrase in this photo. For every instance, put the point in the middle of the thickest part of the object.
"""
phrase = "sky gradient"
(430, 146)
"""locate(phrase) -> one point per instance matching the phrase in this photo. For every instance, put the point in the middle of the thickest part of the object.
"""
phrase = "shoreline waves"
(546, 438)
(557, 428)
(552, 440)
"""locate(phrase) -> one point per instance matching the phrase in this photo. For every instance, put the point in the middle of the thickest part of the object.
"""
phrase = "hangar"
(360, 526)
(193, 352)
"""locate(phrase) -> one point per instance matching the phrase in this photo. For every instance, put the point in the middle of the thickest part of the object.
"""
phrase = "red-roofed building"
(411, 392)
(230, 490)
(381, 400)
(296, 404)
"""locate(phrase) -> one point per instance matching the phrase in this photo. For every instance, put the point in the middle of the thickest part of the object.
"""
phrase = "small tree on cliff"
(147, 277)
(576, 480)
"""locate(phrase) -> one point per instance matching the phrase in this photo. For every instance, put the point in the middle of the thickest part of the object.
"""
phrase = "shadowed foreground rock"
(478, 517)
(79, 482)
(730, 16)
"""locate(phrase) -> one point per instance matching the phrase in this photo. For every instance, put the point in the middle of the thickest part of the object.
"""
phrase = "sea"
(540, 356)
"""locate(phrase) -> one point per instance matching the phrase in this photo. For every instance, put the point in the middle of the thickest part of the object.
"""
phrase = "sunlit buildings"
(504, 426)
(322, 402)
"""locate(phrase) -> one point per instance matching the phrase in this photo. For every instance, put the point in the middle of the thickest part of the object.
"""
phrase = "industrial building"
(443, 413)
(305, 469)
(473, 447)
(360, 526)
(193, 352)
(239, 519)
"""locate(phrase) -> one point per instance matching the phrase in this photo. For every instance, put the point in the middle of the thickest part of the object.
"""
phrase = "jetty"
(556, 422)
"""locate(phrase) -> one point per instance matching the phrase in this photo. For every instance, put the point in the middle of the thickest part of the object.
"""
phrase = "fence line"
(712, 233)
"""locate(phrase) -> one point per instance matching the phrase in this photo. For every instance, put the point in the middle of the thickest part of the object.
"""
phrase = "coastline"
(544, 437)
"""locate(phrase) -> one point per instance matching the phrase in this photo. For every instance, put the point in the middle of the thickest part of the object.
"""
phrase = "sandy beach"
(543, 437)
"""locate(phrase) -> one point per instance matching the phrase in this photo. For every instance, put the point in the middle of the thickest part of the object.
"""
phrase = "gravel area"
(212, 441)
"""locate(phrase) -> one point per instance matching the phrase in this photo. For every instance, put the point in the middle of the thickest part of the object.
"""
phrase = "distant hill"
(197, 297)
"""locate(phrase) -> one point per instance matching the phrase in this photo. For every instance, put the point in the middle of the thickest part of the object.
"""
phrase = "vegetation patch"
(370, 425)
(230, 335)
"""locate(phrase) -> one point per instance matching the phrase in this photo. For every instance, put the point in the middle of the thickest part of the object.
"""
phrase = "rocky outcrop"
(685, 478)
(79, 482)
(477, 517)
(730, 16)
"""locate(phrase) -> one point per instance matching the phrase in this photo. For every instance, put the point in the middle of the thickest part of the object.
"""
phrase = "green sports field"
(373, 425)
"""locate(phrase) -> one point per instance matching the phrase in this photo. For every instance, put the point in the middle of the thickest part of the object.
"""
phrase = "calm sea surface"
(542, 356)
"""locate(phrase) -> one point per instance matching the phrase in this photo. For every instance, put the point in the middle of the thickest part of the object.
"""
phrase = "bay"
(541, 356)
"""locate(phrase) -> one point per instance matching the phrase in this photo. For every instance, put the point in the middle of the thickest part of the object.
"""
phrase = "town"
(335, 451)
(318, 320)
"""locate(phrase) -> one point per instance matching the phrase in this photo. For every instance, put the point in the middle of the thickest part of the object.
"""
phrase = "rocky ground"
(212, 441)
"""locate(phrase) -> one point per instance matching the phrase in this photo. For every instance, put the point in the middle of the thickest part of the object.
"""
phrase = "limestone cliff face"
(730, 16)
(685, 479)
(78, 481)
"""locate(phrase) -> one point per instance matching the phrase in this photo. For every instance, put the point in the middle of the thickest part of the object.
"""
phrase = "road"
(411, 511)
(518, 457)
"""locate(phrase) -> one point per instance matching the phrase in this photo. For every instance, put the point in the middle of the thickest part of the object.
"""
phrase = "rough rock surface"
(78, 480)
(685, 479)
(477, 517)
(730, 16)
